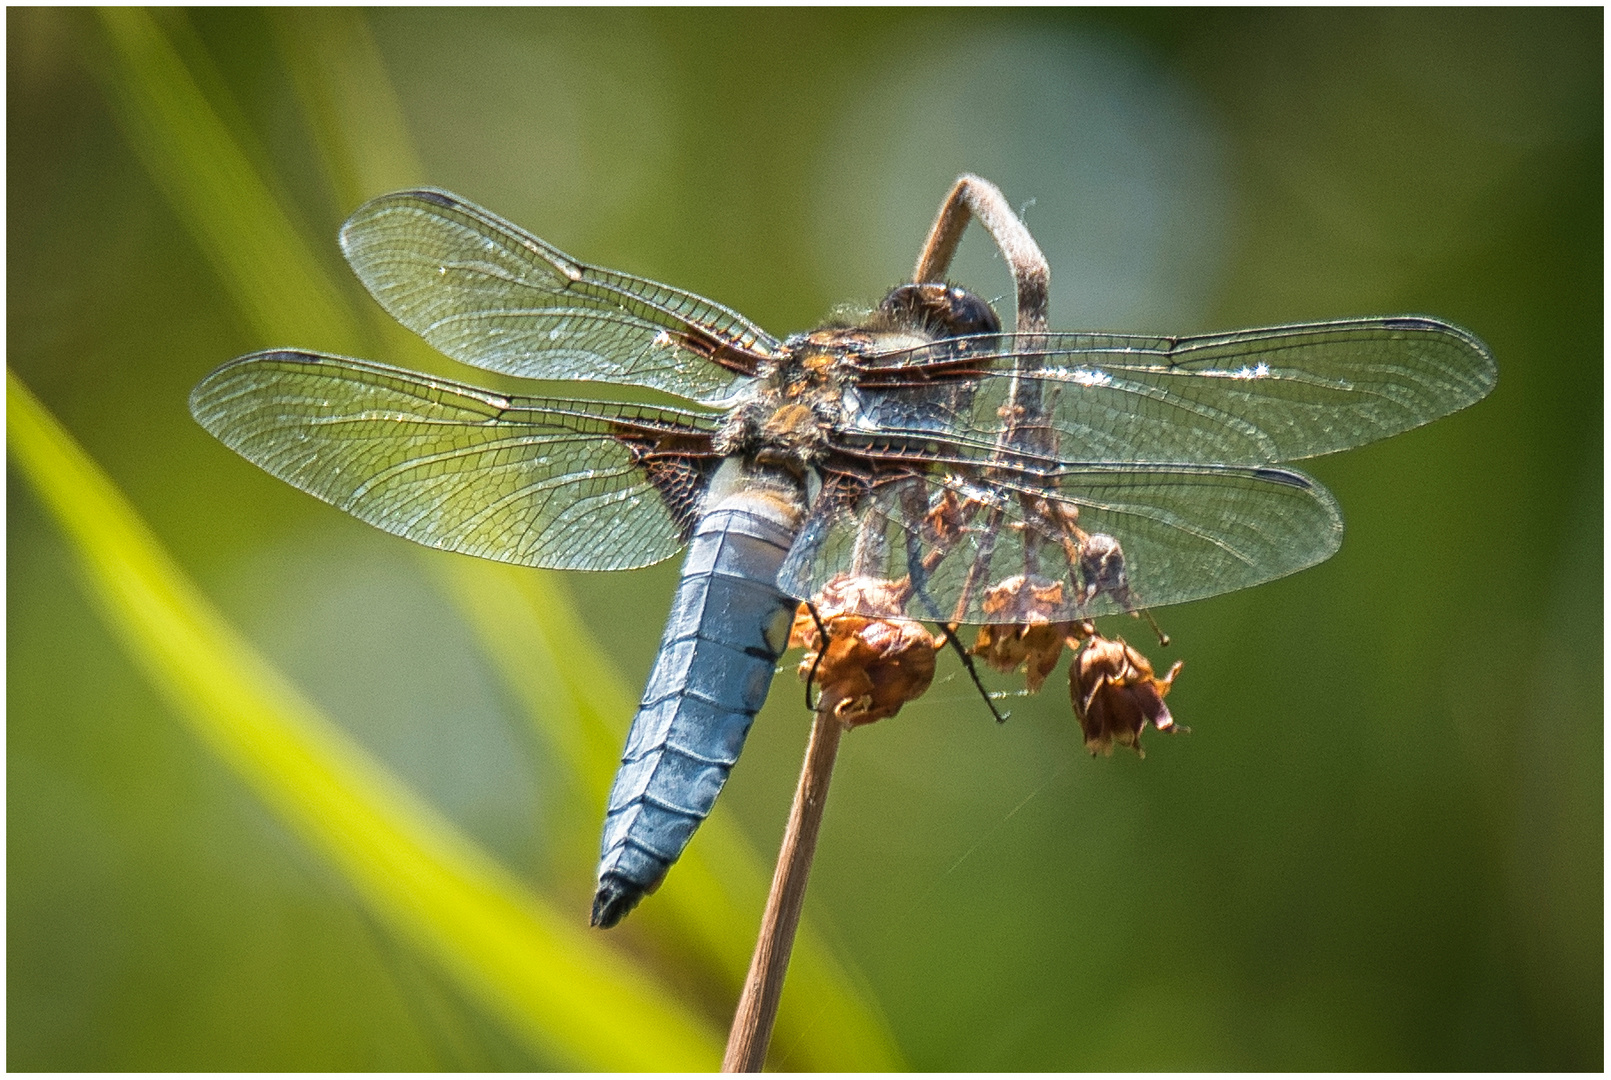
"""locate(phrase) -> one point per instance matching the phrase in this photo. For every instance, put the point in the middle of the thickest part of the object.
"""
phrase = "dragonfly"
(921, 445)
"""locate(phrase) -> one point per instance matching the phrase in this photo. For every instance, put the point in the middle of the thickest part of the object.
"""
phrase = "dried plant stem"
(976, 197)
(971, 197)
(758, 1004)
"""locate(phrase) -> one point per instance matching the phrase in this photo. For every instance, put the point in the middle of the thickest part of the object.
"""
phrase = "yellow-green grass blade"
(713, 897)
(351, 108)
(272, 274)
(349, 102)
(564, 992)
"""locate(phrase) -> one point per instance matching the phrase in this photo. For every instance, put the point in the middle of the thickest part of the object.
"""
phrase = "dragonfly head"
(942, 311)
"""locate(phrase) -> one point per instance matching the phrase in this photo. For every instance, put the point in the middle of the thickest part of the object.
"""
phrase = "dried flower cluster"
(877, 659)
(1031, 640)
(873, 664)
(1115, 693)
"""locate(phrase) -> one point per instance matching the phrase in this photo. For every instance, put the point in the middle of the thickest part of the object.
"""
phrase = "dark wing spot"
(1282, 476)
(435, 195)
(1413, 323)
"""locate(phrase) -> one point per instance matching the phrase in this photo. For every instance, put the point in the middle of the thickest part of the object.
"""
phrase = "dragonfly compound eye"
(943, 310)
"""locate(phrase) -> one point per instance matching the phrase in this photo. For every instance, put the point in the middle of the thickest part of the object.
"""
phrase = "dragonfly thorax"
(790, 422)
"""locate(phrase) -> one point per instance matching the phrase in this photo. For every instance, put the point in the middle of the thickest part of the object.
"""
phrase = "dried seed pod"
(1033, 641)
(1116, 695)
(872, 665)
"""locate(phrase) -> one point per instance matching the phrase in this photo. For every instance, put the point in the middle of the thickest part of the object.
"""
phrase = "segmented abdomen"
(727, 628)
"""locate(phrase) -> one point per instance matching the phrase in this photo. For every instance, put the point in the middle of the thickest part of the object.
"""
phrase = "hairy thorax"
(801, 399)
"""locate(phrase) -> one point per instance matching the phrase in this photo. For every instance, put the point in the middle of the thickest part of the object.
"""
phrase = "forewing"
(1250, 397)
(568, 485)
(489, 294)
(1186, 532)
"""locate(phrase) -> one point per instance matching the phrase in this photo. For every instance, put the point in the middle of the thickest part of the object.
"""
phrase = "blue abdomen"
(727, 628)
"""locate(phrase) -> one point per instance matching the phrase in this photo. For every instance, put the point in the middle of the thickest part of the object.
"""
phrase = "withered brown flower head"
(1116, 695)
(873, 665)
(1032, 641)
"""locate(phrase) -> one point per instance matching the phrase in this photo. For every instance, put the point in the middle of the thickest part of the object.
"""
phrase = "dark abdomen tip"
(614, 900)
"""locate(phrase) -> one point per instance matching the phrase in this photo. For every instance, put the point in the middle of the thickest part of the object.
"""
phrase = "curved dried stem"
(976, 197)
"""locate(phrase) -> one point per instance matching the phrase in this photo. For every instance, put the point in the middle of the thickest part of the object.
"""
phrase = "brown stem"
(758, 1004)
(976, 197)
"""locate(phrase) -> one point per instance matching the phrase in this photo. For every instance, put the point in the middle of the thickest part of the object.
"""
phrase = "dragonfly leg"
(870, 555)
(979, 569)
(973, 672)
(915, 511)
(822, 633)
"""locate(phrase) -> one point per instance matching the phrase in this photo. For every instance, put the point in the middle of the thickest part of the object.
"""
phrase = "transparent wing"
(1251, 397)
(489, 294)
(569, 485)
(1185, 532)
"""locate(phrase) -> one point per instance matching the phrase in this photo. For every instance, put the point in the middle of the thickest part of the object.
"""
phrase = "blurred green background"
(1381, 846)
